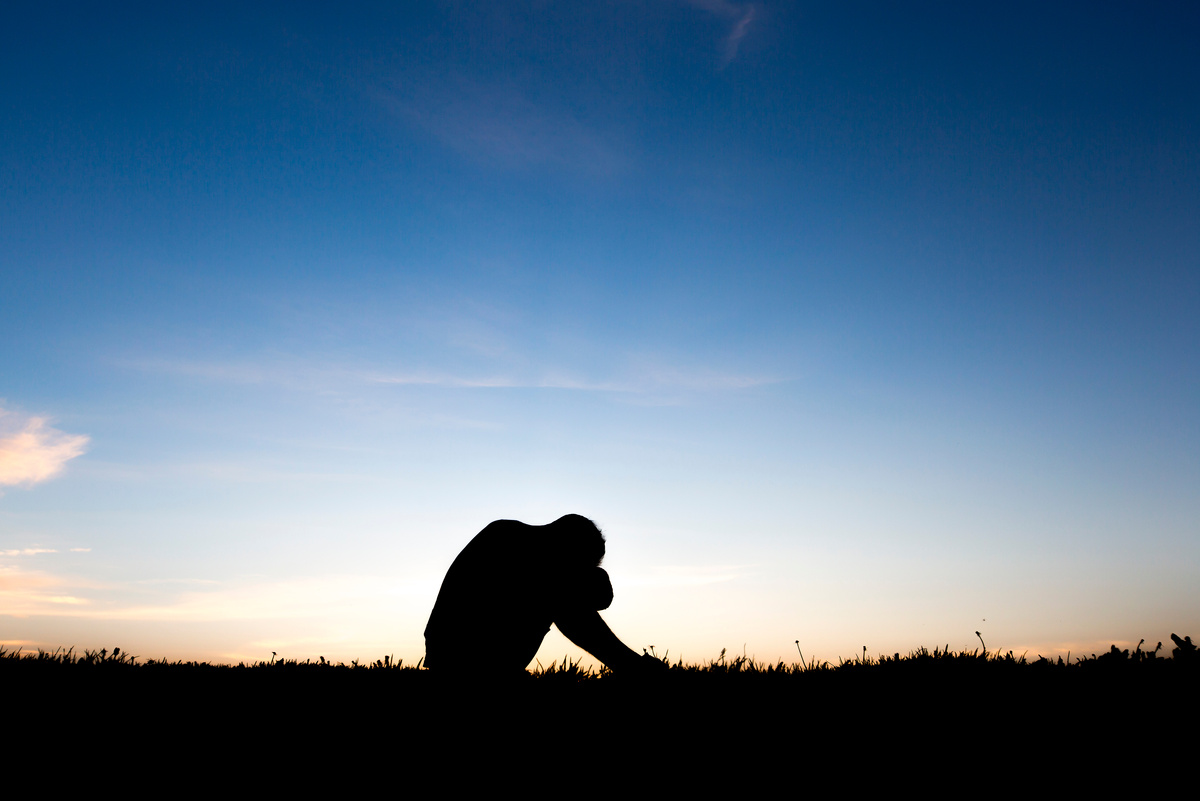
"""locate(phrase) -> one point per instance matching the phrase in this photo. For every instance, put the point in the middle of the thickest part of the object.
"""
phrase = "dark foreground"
(930, 716)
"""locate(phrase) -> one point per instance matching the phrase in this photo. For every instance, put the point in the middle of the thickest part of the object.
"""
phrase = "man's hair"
(581, 540)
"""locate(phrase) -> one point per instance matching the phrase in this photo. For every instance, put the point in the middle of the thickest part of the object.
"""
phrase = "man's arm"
(588, 630)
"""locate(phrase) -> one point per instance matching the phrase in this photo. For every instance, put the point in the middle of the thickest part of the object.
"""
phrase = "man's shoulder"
(505, 526)
(500, 541)
(504, 533)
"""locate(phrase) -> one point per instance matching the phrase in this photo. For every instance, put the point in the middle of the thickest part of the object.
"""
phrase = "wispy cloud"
(740, 17)
(28, 592)
(688, 575)
(315, 597)
(223, 372)
(31, 451)
(178, 581)
(645, 377)
(28, 551)
(503, 125)
(497, 382)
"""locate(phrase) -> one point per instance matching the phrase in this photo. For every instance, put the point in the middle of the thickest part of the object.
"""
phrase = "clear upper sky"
(857, 324)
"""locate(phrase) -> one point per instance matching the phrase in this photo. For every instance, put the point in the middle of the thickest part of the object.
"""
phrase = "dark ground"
(974, 720)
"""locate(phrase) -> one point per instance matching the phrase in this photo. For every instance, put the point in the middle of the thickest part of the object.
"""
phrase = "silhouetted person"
(509, 584)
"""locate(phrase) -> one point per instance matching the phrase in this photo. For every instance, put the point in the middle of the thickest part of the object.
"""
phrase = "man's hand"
(652, 666)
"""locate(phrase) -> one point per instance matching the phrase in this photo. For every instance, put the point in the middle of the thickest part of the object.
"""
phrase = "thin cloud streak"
(742, 15)
(688, 575)
(497, 383)
(25, 593)
(739, 32)
(30, 592)
(318, 378)
(232, 471)
(31, 451)
(499, 124)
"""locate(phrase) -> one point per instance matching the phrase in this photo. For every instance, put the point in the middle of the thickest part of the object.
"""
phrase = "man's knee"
(598, 589)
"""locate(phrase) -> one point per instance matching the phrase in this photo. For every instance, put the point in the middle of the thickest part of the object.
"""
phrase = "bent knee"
(599, 589)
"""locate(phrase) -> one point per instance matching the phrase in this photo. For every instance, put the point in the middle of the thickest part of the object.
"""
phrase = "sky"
(849, 324)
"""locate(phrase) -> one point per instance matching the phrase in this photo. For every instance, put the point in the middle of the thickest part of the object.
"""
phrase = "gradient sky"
(869, 324)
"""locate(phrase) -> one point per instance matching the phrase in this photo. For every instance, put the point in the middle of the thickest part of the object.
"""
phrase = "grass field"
(929, 714)
(980, 662)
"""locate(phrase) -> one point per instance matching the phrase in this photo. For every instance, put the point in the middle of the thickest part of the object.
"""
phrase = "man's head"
(579, 543)
(578, 540)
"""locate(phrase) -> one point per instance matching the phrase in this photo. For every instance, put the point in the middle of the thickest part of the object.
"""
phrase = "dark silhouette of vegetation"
(732, 716)
(922, 660)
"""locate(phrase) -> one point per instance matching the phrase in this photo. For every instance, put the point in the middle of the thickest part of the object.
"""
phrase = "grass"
(729, 716)
(920, 661)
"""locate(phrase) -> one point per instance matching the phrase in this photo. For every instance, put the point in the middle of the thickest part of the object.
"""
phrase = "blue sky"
(853, 325)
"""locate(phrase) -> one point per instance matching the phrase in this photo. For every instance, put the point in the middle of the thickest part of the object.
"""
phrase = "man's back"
(492, 607)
